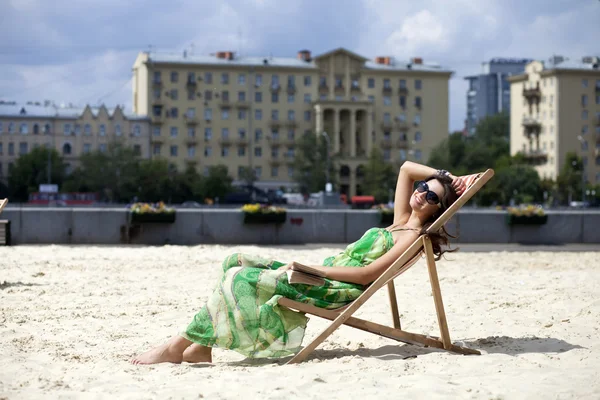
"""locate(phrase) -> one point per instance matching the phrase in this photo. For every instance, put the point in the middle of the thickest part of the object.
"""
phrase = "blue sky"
(81, 51)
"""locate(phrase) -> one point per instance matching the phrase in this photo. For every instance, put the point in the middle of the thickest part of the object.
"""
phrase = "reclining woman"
(243, 313)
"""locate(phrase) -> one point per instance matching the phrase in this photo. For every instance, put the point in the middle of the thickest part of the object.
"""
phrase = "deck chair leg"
(394, 305)
(437, 295)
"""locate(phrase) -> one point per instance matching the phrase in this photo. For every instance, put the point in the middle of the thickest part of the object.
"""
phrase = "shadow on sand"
(6, 285)
(490, 345)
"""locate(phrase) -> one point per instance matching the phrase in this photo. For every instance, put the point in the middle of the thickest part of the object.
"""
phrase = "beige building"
(71, 131)
(555, 109)
(249, 111)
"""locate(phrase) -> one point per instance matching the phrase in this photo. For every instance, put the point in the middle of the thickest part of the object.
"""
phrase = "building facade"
(556, 109)
(70, 131)
(247, 112)
(489, 92)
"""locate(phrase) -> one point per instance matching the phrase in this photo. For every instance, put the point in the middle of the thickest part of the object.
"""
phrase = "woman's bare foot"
(172, 352)
(197, 354)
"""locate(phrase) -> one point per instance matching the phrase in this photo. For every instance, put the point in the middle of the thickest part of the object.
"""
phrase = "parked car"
(246, 194)
(190, 204)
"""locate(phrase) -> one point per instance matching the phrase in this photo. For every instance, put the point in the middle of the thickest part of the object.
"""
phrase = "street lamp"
(327, 184)
(581, 140)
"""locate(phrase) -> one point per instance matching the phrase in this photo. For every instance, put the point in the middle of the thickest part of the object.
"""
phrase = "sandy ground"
(72, 317)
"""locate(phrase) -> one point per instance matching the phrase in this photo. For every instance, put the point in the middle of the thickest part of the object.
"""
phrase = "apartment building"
(555, 109)
(249, 111)
(69, 130)
(489, 91)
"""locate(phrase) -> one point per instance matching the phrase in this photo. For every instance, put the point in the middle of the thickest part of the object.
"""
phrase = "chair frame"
(343, 316)
(3, 203)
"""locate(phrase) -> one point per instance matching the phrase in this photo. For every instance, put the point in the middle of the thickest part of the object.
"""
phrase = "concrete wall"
(110, 226)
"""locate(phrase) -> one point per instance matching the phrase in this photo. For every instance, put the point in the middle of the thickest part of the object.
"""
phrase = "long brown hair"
(441, 237)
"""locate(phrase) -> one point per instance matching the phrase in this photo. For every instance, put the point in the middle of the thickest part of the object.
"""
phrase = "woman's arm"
(368, 274)
(409, 173)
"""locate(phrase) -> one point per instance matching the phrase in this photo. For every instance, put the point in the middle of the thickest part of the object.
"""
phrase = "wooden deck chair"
(3, 203)
(421, 245)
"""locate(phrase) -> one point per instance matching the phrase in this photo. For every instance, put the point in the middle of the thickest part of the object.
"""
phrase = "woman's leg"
(197, 353)
(172, 352)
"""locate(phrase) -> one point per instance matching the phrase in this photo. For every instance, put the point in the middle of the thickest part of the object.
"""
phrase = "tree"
(311, 164)
(217, 183)
(379, 178)
(31, 170)
(248, 175)
(569, 179)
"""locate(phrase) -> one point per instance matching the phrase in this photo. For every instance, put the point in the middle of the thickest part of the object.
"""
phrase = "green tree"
(31, 169)
(379, 177)
(217, 183)
(569, 179)
(311, 164)
(248, 175)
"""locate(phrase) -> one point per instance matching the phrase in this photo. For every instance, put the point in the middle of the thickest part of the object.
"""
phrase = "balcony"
(531, 122)
(224, 103)
(191, 119)
(225, 141)
(275, 87)
(275, 161)
(403, 91)
(157, 139)
(402, 126)
(339, 89)
(242, 104)
(157, 119)
(191, 84)
(289, 158)
(536, 157)
(386, 125)
(191, 140)
(157, 83)
(355, 88)
(386, 143)
(274, 141)
(291, 123)
(597, 120)
(274, 123)
(241, 141)
(323, 88)
(532, 92)
(158, 102)
(387, 90)
(291, 89)
(402, 143)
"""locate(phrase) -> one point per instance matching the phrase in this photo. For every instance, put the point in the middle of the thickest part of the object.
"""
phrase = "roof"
(37, 110)
(591, 64)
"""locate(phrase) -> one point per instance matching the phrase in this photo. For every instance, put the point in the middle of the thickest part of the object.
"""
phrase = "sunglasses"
(431, 196)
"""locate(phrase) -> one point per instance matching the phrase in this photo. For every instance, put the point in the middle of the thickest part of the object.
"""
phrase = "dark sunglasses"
(431, 197)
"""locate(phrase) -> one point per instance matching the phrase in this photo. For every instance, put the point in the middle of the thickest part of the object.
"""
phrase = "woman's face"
(418, 200)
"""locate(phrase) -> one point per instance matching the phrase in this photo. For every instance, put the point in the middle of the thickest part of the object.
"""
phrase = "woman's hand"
(285, 267)
(458, 185)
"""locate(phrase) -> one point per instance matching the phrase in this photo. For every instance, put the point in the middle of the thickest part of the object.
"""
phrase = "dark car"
(246, 195)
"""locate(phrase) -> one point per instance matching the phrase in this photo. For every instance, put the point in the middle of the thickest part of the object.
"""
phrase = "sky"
(82, 51)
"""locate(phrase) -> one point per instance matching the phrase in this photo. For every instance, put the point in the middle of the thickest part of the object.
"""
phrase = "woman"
(243, 314)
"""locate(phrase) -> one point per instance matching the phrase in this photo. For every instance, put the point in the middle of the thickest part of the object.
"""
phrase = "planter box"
(526, 220)
(387, 218)
(150, 218)
(264, 218)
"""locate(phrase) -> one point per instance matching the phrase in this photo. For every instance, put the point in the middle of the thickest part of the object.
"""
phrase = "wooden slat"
(356, 304)
(437, 294)
(3, 204)
(394, 305)
(3, 231)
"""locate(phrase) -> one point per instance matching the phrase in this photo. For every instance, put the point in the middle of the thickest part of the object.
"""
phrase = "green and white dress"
(242, 314)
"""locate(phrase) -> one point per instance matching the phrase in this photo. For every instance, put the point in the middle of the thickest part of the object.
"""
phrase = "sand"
(72, 316)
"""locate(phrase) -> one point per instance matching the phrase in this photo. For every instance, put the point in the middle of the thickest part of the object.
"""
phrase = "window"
(258, 135)
(102, 147)
(1, 150)
(66, 129)
(174, 113)
(372, 99)
(307, 80)
(225, 95)
(173, 151)
(258, 171)
(274, 171)
(387, 118)
(258, 80)
(174, 76)
(274, 97)
(307, 115)
(584, 145)
(371, 83)
(156, 77)
(208, 114)
(418, 84)
(137, 149)
(225, 151)
(241, 151)
(307, 99)
(584, 99)
(291, 135)
(417, 137)
(225, 78)
(11, 149)
(174, 94)
(225, 133)
(418, 155)
(23, 148)
(584, 115)
(290, 171)
(584, 130)
(241, 115)
(66, 149)
(322, 82)
(386, 84)
(402, 101)
(402, 155)
(11, 128)
(191, 95)
(417, 120)
(584, 83)
(156, 130)
(291, 115)
(207, 133)
(275, 115)
(23, 129)
(275, 134)
(36, 129)
(597, 99)
(274, 81)
(241, 79)
(418, 102)
(102, 130)
(291, 98)
(191, 132)
(0, 126)
(258, 152)
(208, 77)
(258, 114)
(387, 101)
(174, 131)
(402, 83)
(386, 154)
(207, 151)
(207, 95)
(402, 117)
(224, 114)
(242, 133)
(118, 131)
(241, 96)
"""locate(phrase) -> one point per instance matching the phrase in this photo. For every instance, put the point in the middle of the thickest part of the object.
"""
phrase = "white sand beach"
(71, 317)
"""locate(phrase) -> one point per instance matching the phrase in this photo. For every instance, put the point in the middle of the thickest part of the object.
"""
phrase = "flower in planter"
(526, 211)
(262, 209)
(384, 209)
(151, 208)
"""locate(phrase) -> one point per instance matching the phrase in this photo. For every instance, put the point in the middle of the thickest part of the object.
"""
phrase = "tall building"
(70, 131)
(249, 111)
(556, 109)
(489, 92)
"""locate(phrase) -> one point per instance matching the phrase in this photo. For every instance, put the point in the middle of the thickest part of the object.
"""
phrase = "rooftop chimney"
(383, 60)
(225, 55)
(417, 60)
(304, 55)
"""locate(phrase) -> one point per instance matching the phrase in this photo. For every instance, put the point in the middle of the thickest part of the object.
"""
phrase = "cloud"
(83, 50)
